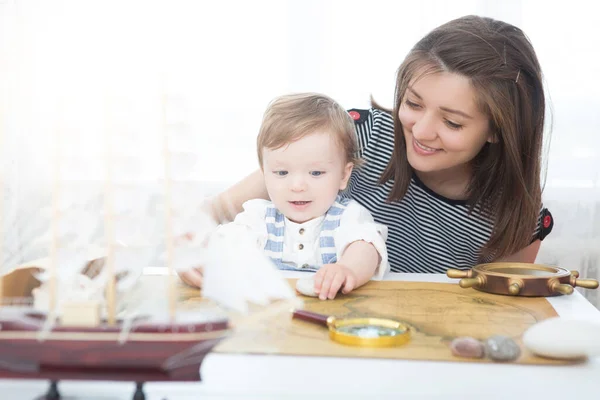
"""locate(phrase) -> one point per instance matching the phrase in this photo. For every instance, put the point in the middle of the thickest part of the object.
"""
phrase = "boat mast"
(109, 222)
(54, 242)
(168, 204)
(2, 194)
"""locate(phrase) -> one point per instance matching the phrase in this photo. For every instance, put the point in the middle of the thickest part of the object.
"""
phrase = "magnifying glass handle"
(310, 316)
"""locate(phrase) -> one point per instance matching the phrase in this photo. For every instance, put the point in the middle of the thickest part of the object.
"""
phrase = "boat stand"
(54, 394)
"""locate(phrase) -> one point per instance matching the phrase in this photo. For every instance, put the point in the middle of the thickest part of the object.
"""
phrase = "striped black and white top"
(426, 232)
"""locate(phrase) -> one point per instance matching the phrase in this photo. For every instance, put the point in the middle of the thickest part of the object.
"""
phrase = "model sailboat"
(80, 311)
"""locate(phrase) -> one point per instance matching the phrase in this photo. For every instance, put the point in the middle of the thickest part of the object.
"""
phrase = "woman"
(454, 169)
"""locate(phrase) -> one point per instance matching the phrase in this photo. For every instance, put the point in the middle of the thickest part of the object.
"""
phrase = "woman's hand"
(192, 277)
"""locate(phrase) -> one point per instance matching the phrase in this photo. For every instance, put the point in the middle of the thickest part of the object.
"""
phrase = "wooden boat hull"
(148, 353)
(131, 361)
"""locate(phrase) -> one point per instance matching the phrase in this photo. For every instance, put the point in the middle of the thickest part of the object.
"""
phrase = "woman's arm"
(526, 255)
(529, 253)
(226, 205)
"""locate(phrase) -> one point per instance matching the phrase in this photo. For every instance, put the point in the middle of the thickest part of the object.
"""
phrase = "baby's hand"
(330, 278)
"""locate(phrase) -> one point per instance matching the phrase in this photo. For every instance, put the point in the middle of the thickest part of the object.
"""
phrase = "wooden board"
(436, 312)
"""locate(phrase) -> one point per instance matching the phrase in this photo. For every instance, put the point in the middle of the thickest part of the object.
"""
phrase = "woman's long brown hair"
(504, 70)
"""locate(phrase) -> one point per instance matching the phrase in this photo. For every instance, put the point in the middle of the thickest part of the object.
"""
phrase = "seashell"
(563, 338)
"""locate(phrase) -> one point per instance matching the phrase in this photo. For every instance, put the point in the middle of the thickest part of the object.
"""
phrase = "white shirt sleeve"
(356, 224)
(249, 224)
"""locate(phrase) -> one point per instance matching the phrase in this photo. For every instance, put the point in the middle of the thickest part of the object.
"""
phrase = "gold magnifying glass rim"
(382, 341)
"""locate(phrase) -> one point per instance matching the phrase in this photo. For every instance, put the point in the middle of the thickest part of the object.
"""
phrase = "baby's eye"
(317, 173)
(280, 173)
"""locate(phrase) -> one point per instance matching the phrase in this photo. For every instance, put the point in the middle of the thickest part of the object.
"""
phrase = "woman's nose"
(424, 128)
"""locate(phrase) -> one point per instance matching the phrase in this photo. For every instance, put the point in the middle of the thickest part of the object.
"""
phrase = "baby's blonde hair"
(291, 117)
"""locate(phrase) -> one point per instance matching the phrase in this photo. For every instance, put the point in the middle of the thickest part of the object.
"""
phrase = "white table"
(229, 376)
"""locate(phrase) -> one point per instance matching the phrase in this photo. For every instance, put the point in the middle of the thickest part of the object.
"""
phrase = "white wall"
(81, 80)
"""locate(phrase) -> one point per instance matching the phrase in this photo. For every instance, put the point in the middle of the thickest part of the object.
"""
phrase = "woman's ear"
(346, 175)
(492, 137)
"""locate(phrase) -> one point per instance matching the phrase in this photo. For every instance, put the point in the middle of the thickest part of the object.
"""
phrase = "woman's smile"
(423, 150)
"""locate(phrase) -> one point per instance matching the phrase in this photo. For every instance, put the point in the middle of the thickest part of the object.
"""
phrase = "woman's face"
(442, 124)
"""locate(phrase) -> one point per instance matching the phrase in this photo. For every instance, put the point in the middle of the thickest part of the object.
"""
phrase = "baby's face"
(303, 178)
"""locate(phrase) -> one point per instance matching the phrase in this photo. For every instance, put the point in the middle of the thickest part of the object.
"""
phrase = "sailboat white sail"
(131, 222)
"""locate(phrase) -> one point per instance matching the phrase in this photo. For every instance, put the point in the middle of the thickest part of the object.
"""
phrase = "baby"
(307, 149)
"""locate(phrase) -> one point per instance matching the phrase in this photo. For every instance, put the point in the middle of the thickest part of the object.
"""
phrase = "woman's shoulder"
(374, 127)
(374, 118)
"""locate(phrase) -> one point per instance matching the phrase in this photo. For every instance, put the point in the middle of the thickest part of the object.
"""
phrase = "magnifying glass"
(363, 332)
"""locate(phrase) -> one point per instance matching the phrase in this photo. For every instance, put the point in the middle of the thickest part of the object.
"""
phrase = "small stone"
(306, 286)
(502, 348)
(467, 347)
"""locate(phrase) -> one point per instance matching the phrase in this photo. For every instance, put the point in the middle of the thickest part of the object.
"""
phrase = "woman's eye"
(280, 173)
(453, 125)
(317, 173)
(412, 105)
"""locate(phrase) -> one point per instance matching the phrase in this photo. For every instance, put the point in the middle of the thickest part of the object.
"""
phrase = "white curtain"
(82, 78)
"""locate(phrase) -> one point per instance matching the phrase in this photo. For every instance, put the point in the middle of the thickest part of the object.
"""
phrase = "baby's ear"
(346, 175)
